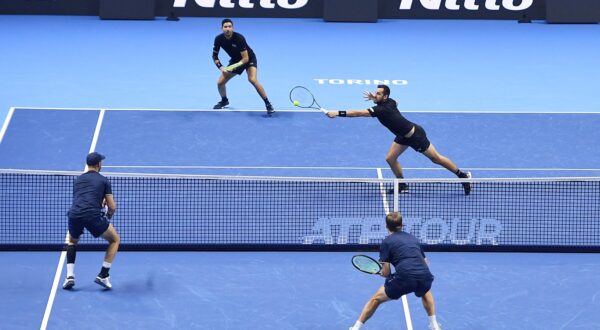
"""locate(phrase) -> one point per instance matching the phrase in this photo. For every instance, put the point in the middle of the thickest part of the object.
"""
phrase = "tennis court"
(504, 120)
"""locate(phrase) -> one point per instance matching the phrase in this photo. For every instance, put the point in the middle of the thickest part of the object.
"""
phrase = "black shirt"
(233, 47)
(403, 250)
(89, 190)
(389, 116)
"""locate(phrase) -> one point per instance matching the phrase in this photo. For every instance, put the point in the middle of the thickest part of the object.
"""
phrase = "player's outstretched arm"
(348, 113)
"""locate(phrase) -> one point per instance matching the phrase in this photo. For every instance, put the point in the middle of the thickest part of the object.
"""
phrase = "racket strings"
(303, 97)
(366, 264)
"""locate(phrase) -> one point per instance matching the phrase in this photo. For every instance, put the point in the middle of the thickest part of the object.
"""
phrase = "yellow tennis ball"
(296, 103)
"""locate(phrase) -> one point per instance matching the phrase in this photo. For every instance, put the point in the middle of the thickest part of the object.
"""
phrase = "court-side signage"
(462, 9)
(431, 231)
(249, 4)
(243, 8)
(387, 9)
(514, 5)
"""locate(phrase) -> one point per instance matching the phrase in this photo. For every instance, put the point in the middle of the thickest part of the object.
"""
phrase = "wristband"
(342, 113)
(219, 65)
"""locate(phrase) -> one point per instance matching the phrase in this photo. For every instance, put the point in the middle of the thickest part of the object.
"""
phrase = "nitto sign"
(267, 4)
(512, 5)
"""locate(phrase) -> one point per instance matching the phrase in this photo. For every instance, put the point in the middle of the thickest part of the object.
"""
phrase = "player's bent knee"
(377, 300)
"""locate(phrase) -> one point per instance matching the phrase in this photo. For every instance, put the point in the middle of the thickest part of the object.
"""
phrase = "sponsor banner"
(243, 8)
(462, 9)
(429, 230)
(388, 9)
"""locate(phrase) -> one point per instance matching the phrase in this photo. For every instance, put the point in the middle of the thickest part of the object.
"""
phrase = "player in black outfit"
(408, 134)
(241, 55)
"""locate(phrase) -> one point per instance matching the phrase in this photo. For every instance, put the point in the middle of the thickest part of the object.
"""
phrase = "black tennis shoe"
(222, 104)
(270, 109)
(402, 189)
(467, 185)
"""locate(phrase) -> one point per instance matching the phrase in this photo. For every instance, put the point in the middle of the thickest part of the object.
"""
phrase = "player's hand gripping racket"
(303, 98)
(366, 264)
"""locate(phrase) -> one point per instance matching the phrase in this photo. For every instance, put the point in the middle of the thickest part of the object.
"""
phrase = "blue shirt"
(403, 250)
(89, 190)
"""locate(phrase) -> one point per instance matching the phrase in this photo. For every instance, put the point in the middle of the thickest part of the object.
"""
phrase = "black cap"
(94, 159)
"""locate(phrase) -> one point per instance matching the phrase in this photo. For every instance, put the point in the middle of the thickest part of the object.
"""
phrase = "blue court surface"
(498, 98)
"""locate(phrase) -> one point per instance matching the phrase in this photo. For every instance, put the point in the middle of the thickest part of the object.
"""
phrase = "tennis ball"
(296, 103)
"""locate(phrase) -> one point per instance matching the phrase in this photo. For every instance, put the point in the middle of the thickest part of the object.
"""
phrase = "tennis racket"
(232, 67)
(366, 264)
(303, 98)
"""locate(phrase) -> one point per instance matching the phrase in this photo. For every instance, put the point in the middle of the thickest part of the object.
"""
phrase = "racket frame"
(369, 258)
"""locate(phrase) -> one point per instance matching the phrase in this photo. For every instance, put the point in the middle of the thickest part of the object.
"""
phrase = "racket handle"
(324, 110)
(234, 66)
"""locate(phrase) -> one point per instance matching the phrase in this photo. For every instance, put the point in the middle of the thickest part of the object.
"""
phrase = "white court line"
(595, 112)
(6, 123)
(387, 210)
(539, 169)
(63, 254)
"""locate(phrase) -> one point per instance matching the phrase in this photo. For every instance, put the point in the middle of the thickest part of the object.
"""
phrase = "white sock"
(106, 264)
(70, 270)
(432, 320)
(357, 325)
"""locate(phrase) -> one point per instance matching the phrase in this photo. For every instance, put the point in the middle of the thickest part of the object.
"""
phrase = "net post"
(396, 193)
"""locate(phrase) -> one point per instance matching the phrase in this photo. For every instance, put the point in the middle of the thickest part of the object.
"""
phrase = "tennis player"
(408, 134)
(412, 272)
(242, 58)
(91, 192)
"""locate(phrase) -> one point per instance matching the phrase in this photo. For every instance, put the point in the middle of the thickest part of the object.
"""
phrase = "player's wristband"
(219, 65)
(342, 113)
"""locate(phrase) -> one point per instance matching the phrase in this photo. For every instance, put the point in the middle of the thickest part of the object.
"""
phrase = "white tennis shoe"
(69, 283)
(103, 281)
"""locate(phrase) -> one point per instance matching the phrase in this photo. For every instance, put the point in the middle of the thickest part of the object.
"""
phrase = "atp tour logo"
(267, 4)
(431, 231)
(327, 81)
(469, 4)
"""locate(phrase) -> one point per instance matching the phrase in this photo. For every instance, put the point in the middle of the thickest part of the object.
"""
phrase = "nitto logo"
(469, 4)
(397, 82)
(268, 4)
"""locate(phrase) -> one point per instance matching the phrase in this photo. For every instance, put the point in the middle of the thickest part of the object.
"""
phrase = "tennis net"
(186, 212)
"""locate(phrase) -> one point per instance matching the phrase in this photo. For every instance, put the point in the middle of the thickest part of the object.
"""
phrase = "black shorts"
(417, 141)
(251, 62)
(95, 225)
(397, 285)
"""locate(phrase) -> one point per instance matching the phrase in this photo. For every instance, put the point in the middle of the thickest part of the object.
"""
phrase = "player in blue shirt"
(412, 274)
(91, 192)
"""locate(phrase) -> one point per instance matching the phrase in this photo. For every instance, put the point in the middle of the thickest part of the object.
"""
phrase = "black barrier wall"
(387, 9)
